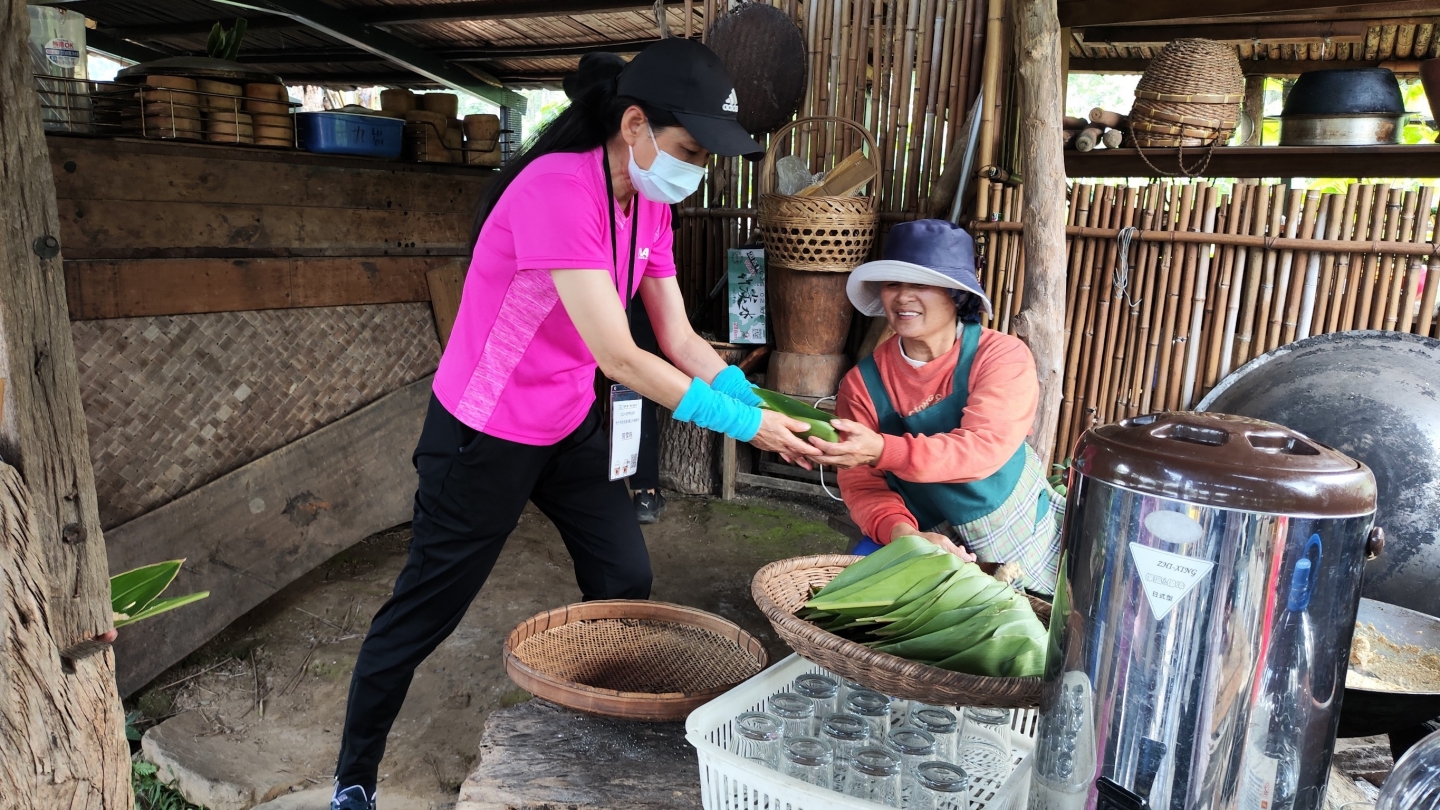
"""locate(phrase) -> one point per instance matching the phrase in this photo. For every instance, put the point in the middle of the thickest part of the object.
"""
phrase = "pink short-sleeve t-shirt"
(515, 367)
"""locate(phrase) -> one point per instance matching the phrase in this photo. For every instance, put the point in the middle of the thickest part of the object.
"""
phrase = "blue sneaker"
(352, 798)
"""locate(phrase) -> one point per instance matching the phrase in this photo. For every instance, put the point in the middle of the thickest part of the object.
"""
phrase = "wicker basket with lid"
(1189, 96)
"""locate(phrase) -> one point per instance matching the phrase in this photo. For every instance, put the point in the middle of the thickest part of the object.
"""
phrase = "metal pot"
(1345, 107)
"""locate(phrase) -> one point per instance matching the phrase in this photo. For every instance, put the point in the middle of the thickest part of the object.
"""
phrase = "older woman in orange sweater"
(934, 422)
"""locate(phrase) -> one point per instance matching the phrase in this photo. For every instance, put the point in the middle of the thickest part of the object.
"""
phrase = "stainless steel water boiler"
(1209, 580)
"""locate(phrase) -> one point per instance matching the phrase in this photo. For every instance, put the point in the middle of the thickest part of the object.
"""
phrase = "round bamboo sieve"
(634, 659)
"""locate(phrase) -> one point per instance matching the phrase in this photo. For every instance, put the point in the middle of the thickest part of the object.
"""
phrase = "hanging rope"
(1121, 278)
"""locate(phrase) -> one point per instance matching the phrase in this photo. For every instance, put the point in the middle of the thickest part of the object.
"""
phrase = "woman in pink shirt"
(567, 234)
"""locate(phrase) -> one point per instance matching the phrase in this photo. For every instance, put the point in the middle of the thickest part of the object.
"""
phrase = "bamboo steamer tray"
(447, 104)
(264, 120)
(633, 659)
(399, 101)
(217, 95)
(165, 126)
(782, 588)
(268, 91)
(166, 96)
(285, 142)
(174, 82)
(286, 134)
(257, 106)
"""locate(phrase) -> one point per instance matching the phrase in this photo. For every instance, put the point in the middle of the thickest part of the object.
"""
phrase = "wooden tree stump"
(62, 731)
(690, 455)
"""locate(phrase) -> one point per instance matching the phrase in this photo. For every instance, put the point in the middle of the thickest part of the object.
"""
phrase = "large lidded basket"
(815, 233)
(781, 588)
(1189, 96)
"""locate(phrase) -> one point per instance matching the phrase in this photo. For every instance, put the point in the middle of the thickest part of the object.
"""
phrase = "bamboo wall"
(907, 70)
(1160, 329)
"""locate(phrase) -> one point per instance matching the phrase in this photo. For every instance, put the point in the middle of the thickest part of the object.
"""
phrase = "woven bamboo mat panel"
(174, 402)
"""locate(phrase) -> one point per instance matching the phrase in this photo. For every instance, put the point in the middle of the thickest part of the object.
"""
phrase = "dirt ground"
(296, 651)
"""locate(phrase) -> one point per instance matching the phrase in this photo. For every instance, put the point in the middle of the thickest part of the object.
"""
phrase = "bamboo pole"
(1080, 202)
(1212, 292)
(1334, 285)
(1112, 380)
(990, 81)
(1416, 264)
(1157, 353)
(1392, 268)
(1246, 267)
(1297, 264)
(1167, 384)
(1369, 279)
(1257, 259)
(1197, 307)
(1239, 205)
(1140, 381)
(1179, 347)
(1353, 266)
(1309, 300)
(1085, 296)
(1106, 329)
(1276, 286)
(1099, 327)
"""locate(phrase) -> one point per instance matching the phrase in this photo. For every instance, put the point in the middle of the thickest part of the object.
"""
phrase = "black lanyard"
(634, 229)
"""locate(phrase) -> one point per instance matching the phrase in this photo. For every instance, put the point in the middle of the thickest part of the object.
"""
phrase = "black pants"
(472, 490)
(647, 473)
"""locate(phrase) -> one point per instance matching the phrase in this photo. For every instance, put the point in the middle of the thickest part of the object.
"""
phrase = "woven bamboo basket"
(1189, 96)
(782, 588)
(828, 234)
(628, 658)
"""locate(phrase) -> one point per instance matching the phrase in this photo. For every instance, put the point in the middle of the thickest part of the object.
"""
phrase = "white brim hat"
(863, 287)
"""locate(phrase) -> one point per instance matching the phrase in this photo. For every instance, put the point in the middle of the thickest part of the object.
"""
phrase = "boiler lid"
(1231, 462)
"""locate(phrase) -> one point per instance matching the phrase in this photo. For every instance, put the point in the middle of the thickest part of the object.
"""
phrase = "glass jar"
(941, 786)
(757, 738)
(797, 711)
(822, 689)
(874, 708)
(874, 776)
(807, 759)
(915, 748)
(983, 749)
(1415, 781)
(942, 725)
(846, 734)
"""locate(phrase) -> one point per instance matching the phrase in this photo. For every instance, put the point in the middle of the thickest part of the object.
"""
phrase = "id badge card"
(624, 432)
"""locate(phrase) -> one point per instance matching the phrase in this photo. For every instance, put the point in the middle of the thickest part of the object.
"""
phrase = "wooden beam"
(298, 56)
(1266, 161)
(343, 26)
(62, 727)
(1387, 13)
(44, 434)
(1041, 320)
(116, 46)
(505, 10)
(254, 531)
(1335, 31)
(1085, 13)
(134, 288)
(1259, 67)
(265, 21)
(445, 284)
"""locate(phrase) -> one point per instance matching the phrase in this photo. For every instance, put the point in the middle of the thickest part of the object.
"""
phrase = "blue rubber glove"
(708, 408)
(732, 383)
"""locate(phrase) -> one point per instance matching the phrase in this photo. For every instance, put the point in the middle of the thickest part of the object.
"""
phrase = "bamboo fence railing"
(1210, 281)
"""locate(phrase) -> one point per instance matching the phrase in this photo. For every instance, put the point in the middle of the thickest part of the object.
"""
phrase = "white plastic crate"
(731, 782)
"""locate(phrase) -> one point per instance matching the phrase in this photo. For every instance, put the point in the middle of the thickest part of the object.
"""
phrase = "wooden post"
(61, 723)
(1041, 321)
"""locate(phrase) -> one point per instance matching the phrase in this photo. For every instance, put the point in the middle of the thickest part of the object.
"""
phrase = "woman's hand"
(780, 434)
(935, 537)
(859, 445)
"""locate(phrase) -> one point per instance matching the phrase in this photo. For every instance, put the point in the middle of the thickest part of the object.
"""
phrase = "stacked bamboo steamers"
(435, 134)
(811, 245)
(179, 107)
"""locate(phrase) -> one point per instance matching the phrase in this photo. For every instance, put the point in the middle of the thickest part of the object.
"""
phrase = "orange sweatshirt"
(1003, 395)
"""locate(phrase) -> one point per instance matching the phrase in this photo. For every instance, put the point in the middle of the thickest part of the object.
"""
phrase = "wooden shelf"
(1265, 161)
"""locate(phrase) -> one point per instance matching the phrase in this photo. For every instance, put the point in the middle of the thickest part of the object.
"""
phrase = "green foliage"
(222, 44)
(153, 794)
(1062, 474)
(134, 595)
(131, 732)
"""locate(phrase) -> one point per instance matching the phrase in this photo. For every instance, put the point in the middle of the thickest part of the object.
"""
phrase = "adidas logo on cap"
(732, 104)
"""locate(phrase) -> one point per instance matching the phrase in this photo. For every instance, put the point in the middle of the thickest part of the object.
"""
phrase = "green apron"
(1005, 517)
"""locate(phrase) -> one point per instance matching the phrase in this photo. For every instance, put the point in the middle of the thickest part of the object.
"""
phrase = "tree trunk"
(1041, 321)
(43, 433)
(61, 728)
(61, 723)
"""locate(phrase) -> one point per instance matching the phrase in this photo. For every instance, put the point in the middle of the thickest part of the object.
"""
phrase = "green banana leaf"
(232, 42)
(818, 420)
(133, 594)
(216, 41)
(162, 606)
(897, 551)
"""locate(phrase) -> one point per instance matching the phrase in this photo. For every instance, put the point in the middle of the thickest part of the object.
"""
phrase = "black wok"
(1367, 712)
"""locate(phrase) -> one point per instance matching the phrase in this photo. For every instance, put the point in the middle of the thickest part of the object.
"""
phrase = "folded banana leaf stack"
(914, 600)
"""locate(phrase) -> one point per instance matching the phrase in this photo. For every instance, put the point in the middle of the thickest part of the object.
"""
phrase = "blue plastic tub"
(337, 133)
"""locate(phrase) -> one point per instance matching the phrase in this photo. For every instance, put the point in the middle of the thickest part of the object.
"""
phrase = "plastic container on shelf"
(730, 782)
(338, 133)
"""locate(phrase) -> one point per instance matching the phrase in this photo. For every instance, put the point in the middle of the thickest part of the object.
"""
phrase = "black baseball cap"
(683, 77)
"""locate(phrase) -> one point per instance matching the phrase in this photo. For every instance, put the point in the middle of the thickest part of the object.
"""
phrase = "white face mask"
(668, 180)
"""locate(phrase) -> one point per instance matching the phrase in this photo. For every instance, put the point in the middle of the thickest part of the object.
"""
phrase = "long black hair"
(591, 119)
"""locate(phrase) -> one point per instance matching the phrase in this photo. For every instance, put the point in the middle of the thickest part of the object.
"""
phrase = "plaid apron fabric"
(1025, 529)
